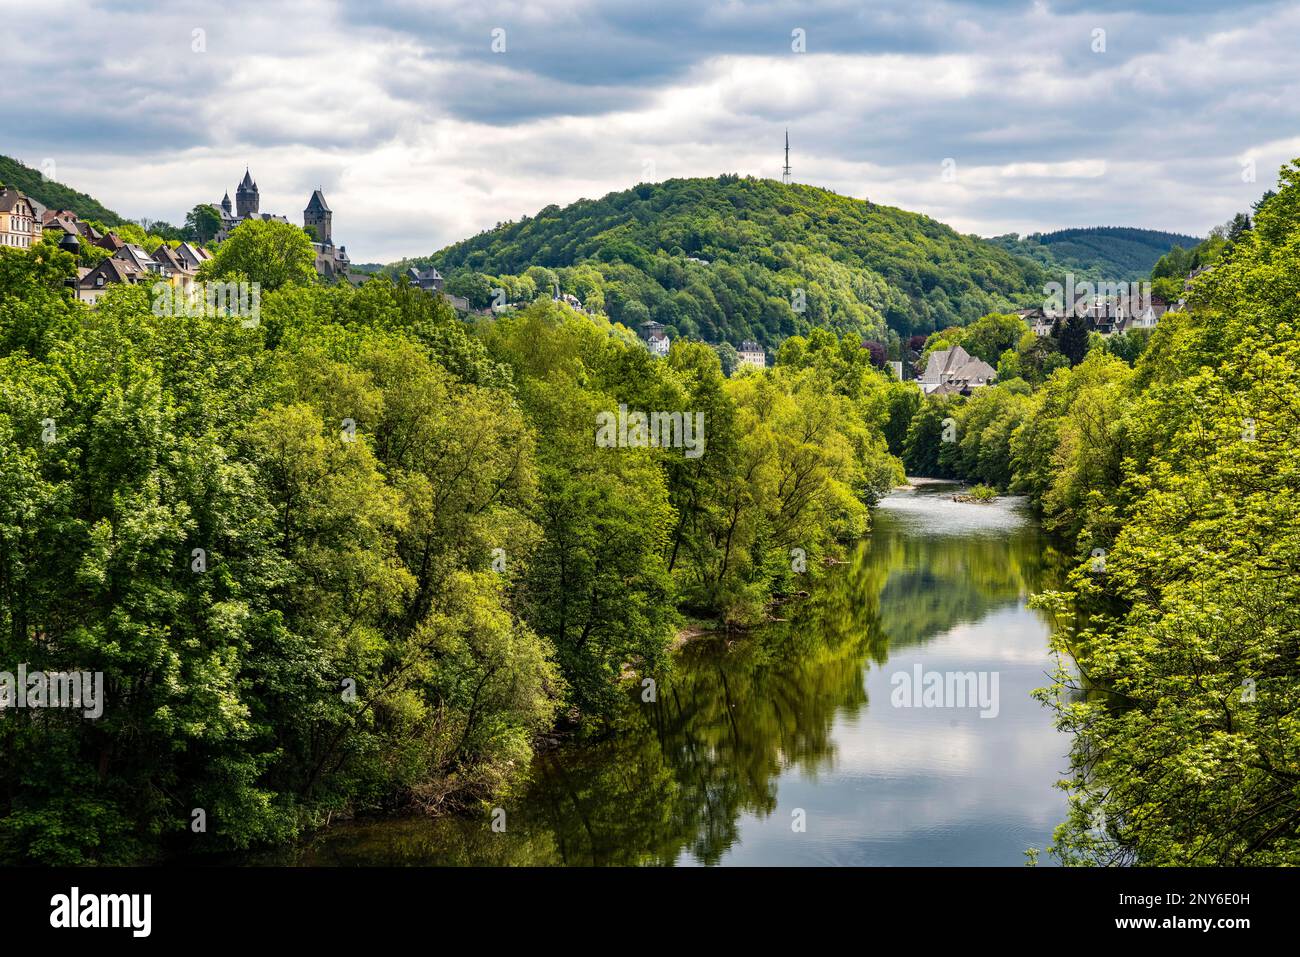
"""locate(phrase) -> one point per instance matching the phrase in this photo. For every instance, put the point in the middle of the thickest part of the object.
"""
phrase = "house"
(62, 220)
(95, 282)
(110, 241)
(954, 370)
(193, 256)
(751, 353)
(1143, 315)
(138, 258)
(1113, 315)
(19, 226)
(655, 338)
(1040, 323)
(176, 269)
(428, 279)
(38, 218)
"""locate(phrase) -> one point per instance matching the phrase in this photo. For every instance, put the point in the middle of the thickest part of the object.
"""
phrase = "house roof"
(135, 255)
(192, 254)
(955, 364)
(9, 198)
(169, 257)
(113, 270)
(58, 222)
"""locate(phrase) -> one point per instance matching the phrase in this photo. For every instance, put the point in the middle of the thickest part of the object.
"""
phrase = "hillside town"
(24, 221)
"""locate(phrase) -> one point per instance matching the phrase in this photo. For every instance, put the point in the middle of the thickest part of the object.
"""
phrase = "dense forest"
(1170, 463)
(53, 195)
(734, 258)
(1098, 253)
(355, 553)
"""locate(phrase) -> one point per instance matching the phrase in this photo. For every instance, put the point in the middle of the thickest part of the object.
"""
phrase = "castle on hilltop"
(331, 261)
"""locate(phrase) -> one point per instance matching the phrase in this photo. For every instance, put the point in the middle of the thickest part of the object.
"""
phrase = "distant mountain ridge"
(1097, 253)
(32, 183)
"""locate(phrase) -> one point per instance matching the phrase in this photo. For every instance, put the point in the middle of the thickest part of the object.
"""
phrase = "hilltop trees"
(734, 258)
(203, 222)
(263, 251)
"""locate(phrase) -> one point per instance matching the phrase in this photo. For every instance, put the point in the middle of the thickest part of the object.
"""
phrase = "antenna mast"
(785, 170)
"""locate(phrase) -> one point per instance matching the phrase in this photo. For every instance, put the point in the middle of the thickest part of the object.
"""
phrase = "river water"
(793, 745)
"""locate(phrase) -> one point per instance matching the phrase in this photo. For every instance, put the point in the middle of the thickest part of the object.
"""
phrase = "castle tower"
(225, 204)
(319, 217)
(246, 199)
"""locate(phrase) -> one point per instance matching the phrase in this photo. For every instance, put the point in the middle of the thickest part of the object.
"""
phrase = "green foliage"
(862, 268)
(52, 195)
(203, 222)
(1181, 474)
(1096, 254)
(36, 305)
(263, 251)
(992, 335)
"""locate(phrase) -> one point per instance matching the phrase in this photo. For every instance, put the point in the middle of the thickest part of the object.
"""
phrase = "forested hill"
(1097, 253)
(53, 195)
(725, 258)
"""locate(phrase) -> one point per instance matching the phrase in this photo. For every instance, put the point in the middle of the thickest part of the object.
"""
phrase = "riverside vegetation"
(1170, 463)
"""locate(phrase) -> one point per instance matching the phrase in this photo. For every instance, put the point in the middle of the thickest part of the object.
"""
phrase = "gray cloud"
(421, 134)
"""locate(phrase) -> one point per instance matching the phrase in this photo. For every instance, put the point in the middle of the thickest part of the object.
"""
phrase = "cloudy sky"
(427, 121)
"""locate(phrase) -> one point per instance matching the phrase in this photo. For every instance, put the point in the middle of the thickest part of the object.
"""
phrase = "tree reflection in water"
(676, 777)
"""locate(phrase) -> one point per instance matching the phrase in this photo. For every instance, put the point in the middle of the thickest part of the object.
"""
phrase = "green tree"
(271, 253)
(203, 222)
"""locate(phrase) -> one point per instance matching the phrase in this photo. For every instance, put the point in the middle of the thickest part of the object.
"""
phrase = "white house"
(751, 353)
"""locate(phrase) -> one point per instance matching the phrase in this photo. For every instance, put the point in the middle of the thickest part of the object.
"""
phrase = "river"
(791, 745)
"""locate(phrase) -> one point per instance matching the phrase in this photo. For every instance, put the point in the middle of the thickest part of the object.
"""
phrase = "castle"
(331, 261)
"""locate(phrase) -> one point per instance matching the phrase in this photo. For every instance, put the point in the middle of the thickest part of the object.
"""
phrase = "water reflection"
(747, 734)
